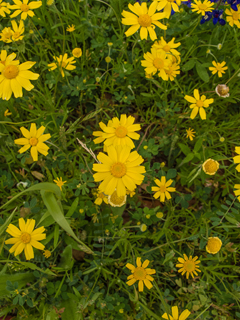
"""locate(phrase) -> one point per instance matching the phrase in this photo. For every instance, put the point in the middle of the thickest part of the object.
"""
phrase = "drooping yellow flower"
(163, 189)
(118, 132)
(25, 238)
(6, 113)
(172, 71)
(100, 198)
(63, 63)
(14, 77)
(156, 61)
(143, 18)
(236, 159)
(183, 316)
(233, 16)
(4, 8)
(34, 139)
(24, 8)
(190, 134)
(237, 192)
(71, 28)
(119, 170)
(188, 265)
(47, 253)
(77, 52)
(6, 35)
(198, 104)
(17, 30)
(210, 166)
(168, 6)
(116, 201)
(214, 245)
(202, 7)
(140, 273)
(59, 182)
(218, 68)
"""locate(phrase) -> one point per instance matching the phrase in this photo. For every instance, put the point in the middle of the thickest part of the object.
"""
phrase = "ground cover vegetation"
(120, 159)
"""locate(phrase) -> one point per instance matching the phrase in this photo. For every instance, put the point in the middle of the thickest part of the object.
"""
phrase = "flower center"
(115, 199)
(33, 141)
(162, 189)
(118, 169)
(235, 16)
(166, 48)
(144, 20)
(63, 64)
(24, 7)
(189, 266)
(10, 72)
(199, 103)
(222, 89)
(25, 237)
(16, 35)
(202, 6)
(121, 132)
(214, 245)
(140, 273)
(211, 166)
(158, 63)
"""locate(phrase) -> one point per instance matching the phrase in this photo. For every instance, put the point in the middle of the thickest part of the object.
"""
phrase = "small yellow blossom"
(59, 182)
(108, 59)
(202, 7)
(159, 215)
(218, 68)
(198, 104)
(110, 44)
(190, 134)
(210, 166)
(163, 188)
(71, 28)
(233, 16)
(77, 52)
(214, 245)
(188, 265)
(6, 113)
(47, 253)
(81, 211)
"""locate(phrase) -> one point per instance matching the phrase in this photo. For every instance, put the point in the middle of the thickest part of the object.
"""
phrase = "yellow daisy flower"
(156, 61)
(233, 17)
(218, 68)
(237, 192)
(4, 8)
(14, 77)
(236, 159)
(77, 52)
(34, 139)
(47, 253)
(50, 2)
(25, 238)
(140, 273)
(214, 245)
(6, 60)
(100, 198)
(188, 265)
(62, 62)
(198, 104)
(119, 170)
(17, 30)
(210, 166)
(59, 182)
(163, 189)
(71, 28)
(168, 6)
(190, 134)
(24, 8)
(172, 71)
(6, 35)
(118, 132)
(116, 201)
(183, 316)
(168, 47)
(143, 18)
(202, 7)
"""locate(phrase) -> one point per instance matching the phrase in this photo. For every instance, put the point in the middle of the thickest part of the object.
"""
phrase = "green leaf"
(56, 235)
(7, 222)
(91, 115)
(188, 65)
(72, 208)
(56, 212)
(21, 278)
(188, 158)
(185, 149)
(169, 256)
(66, 258)
(198, 145)
(70, 311)
(202, 72)
(171, 174)
(30, 265)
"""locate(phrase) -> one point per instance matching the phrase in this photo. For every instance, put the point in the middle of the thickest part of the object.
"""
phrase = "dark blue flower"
(216, 15)
(187, 3)
(207, 17)
(233, 4)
